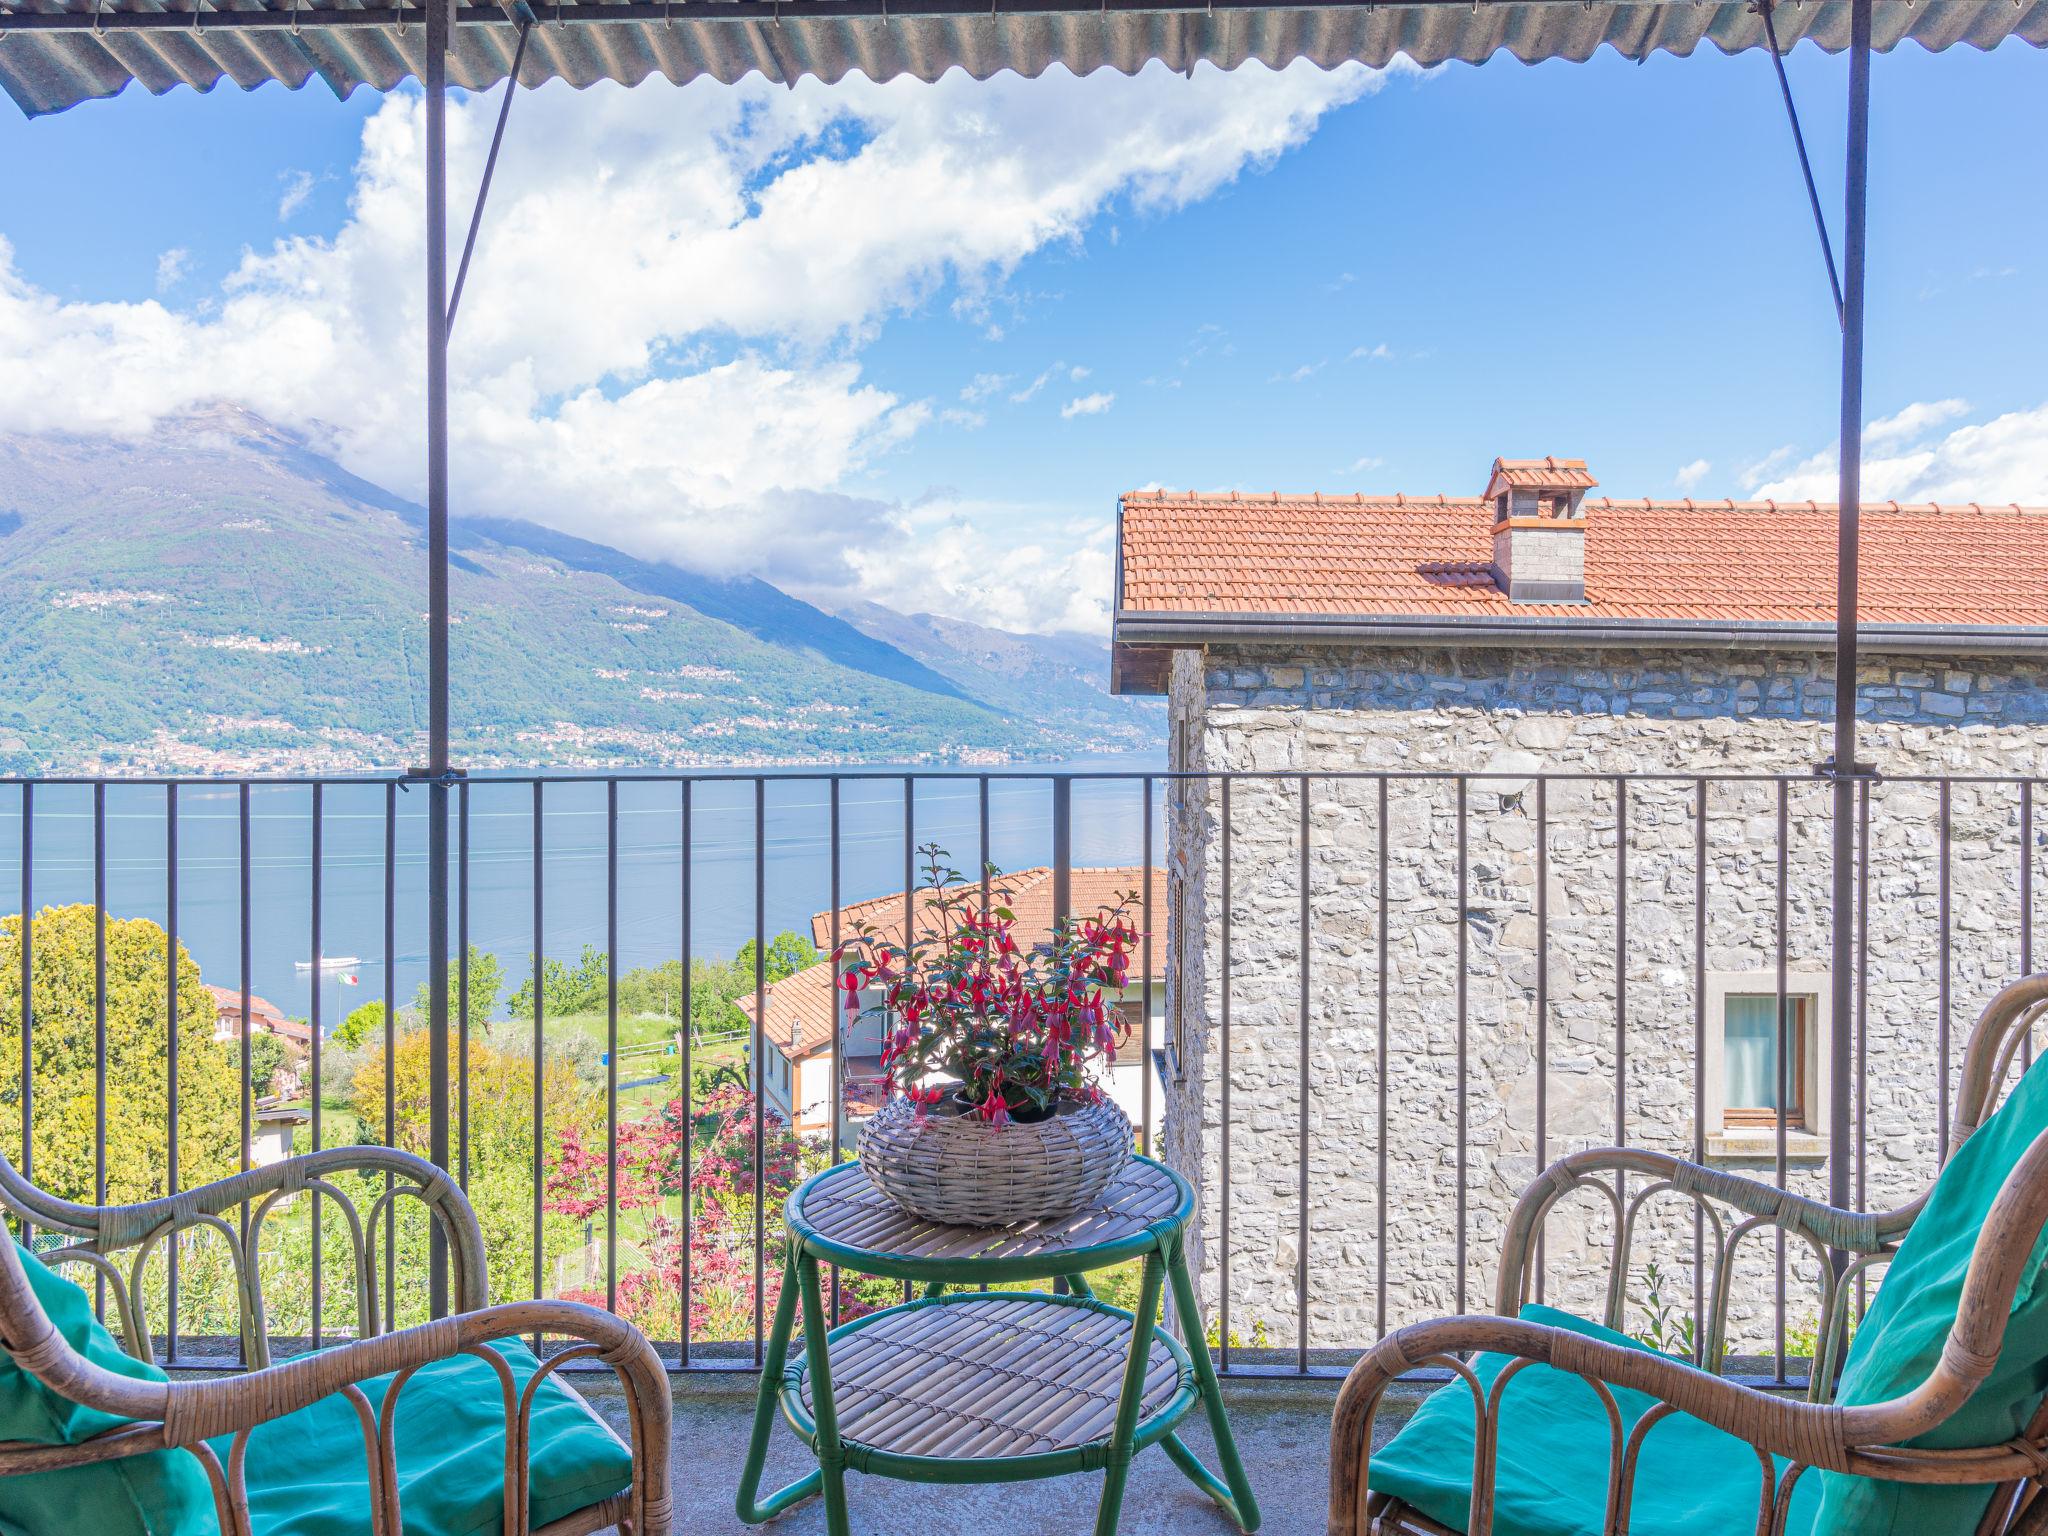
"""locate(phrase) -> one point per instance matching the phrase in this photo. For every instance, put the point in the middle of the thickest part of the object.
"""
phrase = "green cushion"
(1900, 1340)
(306, 1474)
(158, 1493)
(1692, 1479)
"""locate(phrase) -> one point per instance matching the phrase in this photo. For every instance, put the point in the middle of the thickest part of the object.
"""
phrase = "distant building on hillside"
(804, 1009)
(265, 1017)
(1634, 650)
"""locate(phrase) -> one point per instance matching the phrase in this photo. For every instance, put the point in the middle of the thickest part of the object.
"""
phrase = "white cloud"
(1077, 373)
(982, 385)
(298, 186)
(1297, 375)
(1014, 566)
(1692, 474)
(1907, 459)
(699, 393)
(1087, 405)
(958, 416)
(1379, 352)
(1364, 462)
(1914, 421)
(1030, 391)
(171, 267)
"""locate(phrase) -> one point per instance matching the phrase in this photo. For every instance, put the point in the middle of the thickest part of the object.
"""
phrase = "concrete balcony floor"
(1282, 1428)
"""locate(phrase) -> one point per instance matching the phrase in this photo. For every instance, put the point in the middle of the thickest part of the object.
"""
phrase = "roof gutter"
(1190, 629)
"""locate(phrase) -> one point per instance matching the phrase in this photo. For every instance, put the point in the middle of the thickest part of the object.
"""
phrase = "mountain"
(1064, 678)
(217, 596)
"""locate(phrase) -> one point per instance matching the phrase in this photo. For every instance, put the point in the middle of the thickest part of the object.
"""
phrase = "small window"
(1752, 1091)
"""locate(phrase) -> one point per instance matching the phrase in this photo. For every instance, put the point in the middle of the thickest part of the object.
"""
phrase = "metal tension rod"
(483, 190)
(1764, 8)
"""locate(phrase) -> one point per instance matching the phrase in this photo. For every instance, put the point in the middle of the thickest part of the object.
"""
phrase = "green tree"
(788, 953)
(564, 989)
(361, 1027)
(486, 983)
(63, 1059)
(267, 1053)
(501, 1140)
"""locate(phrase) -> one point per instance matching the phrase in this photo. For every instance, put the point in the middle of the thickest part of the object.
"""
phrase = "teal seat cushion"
(157, 1493)
(1900, 1341)
(1692, 1479)
(307, 1476)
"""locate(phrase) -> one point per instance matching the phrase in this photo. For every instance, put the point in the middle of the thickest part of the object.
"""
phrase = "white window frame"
(1760, 1142)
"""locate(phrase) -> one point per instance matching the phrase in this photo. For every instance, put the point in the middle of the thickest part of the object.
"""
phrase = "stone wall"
(1424, 717)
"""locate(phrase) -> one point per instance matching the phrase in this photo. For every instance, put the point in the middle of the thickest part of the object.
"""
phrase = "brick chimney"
(1539, 529)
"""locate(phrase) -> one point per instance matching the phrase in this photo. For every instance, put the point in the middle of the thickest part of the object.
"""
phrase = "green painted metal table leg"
(831, 1454)
(1234, 1490)
(1126, 1431)
(772, 1365)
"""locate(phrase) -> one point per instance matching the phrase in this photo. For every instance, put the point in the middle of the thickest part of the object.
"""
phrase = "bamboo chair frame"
(190, 1413)
(1808, 1434)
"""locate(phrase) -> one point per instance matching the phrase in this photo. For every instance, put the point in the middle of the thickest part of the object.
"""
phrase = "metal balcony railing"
(1384, 1000)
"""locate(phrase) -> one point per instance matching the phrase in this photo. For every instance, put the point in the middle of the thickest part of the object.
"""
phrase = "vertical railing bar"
(1941, 1016)
(1301, 1125)
(462, 984)
(1783, 1065)
(1062, 848)
(1862, 1018)
(982, 841)
(99, 1016)
(1699, 1057)
(171, 1059)
(909, 881)
(611, 1048)
(2027, 903)
(760, 1060)
(1542, 999)
(1464, 1119)
(391, 1041)
(1144, 965)
(248, 957)
(539, 1111)
(687, 1010)
(839, 1019)
(28, 1056)
(313, 1042)
(1224, 1074)
(1621, 980)
(1380, 1140)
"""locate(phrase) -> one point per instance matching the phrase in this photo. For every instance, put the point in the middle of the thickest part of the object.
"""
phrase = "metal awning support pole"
(440, 20)
(1845, 769)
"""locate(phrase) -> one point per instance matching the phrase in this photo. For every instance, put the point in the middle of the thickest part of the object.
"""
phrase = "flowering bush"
(960, 1000)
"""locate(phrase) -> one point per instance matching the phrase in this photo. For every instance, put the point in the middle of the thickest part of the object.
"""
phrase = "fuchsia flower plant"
(1011, 1032)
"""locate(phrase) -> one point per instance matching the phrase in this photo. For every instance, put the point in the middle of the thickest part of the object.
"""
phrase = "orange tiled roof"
(1428, 557)
(804, 1006)
(263, 1014)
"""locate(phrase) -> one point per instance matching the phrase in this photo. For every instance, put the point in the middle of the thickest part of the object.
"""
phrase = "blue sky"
(1297, 282)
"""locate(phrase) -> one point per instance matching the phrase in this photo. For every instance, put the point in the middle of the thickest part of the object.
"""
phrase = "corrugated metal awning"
(54, 53)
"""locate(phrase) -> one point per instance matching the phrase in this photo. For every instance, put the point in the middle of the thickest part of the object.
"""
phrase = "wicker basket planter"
(953, 1168)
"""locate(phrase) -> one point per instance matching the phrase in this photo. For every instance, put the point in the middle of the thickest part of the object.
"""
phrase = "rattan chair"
(1868, 1441)
(189, 1413)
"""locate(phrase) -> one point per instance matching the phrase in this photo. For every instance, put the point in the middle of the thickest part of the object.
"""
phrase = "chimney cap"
(1546, 474)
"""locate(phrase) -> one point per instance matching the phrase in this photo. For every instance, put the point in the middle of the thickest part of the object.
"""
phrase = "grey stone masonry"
(1631, 943)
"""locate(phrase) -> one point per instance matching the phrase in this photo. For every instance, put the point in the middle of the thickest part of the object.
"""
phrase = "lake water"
(793, 856)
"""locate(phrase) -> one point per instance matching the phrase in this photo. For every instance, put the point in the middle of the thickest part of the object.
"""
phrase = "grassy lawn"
(646, 1051)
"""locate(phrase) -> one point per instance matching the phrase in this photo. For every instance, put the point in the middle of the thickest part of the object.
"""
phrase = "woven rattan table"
(967, 1386)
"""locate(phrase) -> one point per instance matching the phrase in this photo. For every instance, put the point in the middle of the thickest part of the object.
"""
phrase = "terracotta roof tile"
(1402, 556)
